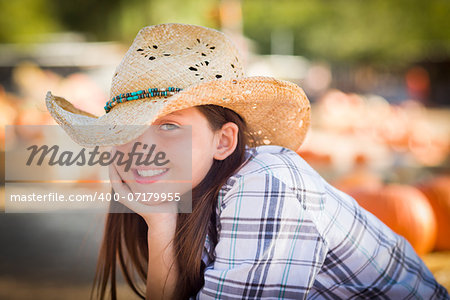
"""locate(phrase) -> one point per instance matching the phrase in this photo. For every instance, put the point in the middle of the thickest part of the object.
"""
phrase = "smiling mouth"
(149, 176)
(151, 173)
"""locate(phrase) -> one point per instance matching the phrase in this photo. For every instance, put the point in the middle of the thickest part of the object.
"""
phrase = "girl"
(264, 224)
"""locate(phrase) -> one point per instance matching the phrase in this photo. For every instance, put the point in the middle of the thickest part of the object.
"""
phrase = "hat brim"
(277, 112)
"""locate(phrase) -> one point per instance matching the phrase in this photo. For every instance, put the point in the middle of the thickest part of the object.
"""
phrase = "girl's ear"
(227, 138)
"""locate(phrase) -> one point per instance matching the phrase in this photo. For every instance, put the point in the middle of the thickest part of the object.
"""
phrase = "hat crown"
(176, 55)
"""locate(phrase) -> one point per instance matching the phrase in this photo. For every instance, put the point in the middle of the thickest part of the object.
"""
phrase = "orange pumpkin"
(405, 210)
(314, 158)
(359, 178)
(437, 191)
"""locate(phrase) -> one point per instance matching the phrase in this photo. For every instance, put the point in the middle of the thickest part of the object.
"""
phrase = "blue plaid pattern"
(285, 233)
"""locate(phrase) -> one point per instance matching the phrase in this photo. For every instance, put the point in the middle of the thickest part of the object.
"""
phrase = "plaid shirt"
(285, 233)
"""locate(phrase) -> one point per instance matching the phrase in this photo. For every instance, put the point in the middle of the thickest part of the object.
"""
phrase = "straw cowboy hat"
(176, 66)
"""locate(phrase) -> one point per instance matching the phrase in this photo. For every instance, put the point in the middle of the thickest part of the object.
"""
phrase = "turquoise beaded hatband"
(153, 92)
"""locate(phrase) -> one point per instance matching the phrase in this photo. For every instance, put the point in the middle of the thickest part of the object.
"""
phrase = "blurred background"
(377, 74)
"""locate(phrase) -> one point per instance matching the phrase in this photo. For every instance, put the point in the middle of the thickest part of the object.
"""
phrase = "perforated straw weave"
(205, 64)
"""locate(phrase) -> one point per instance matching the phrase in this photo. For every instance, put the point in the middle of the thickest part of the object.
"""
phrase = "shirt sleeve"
(268, 246)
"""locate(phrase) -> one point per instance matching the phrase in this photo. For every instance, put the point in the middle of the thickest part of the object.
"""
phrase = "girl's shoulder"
(282, 163)
(268, 166)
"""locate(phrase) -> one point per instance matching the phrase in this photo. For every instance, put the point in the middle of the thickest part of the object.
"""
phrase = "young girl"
(264, 224)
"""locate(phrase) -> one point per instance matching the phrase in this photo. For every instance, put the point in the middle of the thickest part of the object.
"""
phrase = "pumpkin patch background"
(377, 74)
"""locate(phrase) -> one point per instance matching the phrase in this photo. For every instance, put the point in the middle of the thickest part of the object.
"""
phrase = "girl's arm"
(162, 273)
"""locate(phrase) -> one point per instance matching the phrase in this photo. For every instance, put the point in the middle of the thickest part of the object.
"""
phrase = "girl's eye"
(168, 126)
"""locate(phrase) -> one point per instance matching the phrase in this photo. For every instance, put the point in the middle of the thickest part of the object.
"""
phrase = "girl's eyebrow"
(176, 113)
(170, 116)
(173, 114)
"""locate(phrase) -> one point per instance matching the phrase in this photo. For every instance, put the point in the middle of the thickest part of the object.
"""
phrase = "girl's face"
(175, 135)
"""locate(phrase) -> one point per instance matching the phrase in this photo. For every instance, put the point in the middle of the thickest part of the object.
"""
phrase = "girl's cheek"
(115, 151)
(121, 148)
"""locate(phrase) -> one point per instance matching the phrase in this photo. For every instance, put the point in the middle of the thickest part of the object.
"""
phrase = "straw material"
(206, 65)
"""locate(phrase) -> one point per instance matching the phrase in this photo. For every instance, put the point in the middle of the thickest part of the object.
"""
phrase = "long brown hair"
(125, 236)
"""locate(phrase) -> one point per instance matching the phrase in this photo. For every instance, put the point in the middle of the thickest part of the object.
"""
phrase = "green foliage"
(88, 16)
(372, 31)
(22, 20)
(181, 11)
(134, 15)
(391, 32)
